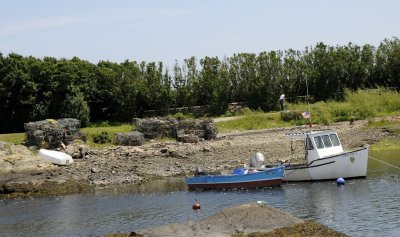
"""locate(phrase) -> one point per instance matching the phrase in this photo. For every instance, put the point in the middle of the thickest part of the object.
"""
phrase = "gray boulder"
(242, 219)
(77, 151)
(52, 133)
(134, 138)
(188, 130)
(156, 127)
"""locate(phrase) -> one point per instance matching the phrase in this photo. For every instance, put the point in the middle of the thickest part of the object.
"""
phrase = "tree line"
(38, 88)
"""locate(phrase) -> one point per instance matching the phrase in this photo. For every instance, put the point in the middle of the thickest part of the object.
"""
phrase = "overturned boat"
(326, 159)
(55, 157)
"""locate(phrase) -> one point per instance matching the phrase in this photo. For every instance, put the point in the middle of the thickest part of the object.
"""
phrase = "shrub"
(102, 138)
(288, 116)
(244, 111)
(322, 113)
(181, 116)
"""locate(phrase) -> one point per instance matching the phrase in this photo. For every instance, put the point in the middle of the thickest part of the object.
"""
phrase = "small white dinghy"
(56, 157)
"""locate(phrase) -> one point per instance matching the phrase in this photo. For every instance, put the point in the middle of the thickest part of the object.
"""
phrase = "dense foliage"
(34, 89)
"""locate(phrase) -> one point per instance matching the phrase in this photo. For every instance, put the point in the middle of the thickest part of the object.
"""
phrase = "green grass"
(14, 138)
(18, 138)
(110, 130)
(391, 126)
(386, 144)
(362, 104)
(252, 121)
(392, 143)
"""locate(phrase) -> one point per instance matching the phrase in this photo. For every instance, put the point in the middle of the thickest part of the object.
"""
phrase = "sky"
(169, 30)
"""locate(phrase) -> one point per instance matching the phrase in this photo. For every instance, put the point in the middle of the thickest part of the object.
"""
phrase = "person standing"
(282, 102)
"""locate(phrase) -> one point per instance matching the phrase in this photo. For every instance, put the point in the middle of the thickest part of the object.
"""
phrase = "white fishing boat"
(55, 157)
(326, 159)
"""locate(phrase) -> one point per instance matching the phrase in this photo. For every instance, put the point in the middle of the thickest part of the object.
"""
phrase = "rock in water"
(246, 218)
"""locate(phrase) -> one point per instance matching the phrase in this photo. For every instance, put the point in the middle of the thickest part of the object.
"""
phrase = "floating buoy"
(340, 181)
(196, 205)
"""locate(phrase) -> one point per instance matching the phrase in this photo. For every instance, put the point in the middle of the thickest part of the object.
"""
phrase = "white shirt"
(282, 97)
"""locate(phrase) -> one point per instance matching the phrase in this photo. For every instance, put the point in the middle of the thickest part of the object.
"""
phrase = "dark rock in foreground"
(244, 220)
(306, 229)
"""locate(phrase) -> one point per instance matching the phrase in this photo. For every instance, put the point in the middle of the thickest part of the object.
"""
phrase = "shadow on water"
(156, 186)
(363, 207)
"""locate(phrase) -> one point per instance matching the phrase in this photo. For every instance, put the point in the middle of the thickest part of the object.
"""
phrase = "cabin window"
(327, 141)
(309, 144)
(318, 142)
(335, 139)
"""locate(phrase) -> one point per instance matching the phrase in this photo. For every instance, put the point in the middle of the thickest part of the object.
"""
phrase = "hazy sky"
(165, 30)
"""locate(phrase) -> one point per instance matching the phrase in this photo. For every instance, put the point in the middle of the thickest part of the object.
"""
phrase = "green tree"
(102, 100)
(75, 106)
(17, 93)
(271, 80)
(387, 69)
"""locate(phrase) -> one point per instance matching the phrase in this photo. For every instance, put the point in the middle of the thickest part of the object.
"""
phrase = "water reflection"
(157, 186)
(364, 207)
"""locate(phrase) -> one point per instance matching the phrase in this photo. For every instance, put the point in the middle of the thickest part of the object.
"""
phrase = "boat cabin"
(319, 144)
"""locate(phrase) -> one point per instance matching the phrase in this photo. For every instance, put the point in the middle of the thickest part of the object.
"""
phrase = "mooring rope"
(384, 162)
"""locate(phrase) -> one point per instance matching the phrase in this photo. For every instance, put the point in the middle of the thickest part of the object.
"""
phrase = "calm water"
(364, 207)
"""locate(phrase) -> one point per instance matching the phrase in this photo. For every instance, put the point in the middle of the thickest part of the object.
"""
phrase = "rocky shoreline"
(23, 173)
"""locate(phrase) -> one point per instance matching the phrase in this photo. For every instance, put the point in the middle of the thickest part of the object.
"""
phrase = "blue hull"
(265, 178)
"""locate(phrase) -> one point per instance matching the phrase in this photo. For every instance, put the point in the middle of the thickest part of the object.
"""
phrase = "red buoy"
(196, 205)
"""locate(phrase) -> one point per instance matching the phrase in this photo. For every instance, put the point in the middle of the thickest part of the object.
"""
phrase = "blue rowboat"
(238, 179)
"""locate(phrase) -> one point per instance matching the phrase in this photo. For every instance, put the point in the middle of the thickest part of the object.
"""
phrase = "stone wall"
(133, 138)
(197, 111)
(188, 130)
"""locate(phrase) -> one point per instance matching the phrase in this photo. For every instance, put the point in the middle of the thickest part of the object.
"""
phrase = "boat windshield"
(318, 142)
(327, 141)
(335, 139)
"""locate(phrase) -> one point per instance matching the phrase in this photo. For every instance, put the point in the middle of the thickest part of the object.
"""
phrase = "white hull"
(56, 157)
(350, 164)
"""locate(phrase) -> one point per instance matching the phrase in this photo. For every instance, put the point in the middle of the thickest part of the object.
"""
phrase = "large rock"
(134, 138)
(156, 127)
(188, 130)
(52, 133)
(242, 219)
(77, 150)
(15, 159)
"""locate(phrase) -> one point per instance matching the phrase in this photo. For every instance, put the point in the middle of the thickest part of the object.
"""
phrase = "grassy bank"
(392, 126)
(250, 120)
(14, 138)
(91, 132)
(110, 130)
(362, 104)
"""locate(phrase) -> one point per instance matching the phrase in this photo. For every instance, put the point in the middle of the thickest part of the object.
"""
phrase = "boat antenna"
(308, 104)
